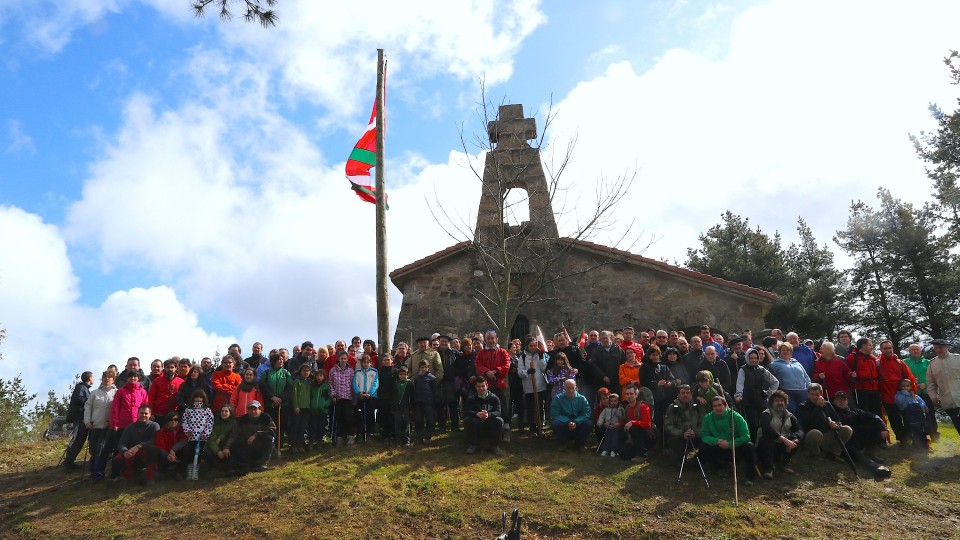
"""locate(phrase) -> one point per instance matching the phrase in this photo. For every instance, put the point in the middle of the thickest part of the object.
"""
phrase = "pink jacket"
(126, 402)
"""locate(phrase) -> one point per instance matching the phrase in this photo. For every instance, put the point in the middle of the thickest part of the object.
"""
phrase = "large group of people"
(711, 397)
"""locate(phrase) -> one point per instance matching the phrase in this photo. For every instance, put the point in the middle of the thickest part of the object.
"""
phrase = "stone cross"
(511, 129)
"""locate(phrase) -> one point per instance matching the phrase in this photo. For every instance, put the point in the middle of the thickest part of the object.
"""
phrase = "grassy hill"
(437, 491)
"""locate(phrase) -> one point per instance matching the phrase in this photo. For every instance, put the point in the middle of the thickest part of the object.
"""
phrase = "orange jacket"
(224, 382)
(629, 374)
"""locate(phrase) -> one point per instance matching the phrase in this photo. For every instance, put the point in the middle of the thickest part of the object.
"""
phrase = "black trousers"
(895, 418)
(869, 400)
(486, 430)
(768, 450)
(76, 444)
(746, 457)
(423, 419)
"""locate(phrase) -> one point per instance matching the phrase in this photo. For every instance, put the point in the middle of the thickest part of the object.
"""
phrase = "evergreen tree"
(13, 404)
(732, 250)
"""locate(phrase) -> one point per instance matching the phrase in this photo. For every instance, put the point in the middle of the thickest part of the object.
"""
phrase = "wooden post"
(383, 298)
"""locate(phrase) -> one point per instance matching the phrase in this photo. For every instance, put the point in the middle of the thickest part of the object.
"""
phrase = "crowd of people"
(709, 396)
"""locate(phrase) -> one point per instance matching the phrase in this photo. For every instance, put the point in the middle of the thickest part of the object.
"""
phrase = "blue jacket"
(792, 375)
(805, 356)
(567, 410)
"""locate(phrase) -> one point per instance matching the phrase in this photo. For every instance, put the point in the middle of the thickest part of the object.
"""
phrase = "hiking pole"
(193, 472)
(364, 420)
(733, 446)
(700, 463)
(279, 411)
(683, 459)
(602, 438)
(536, 404)
(333, 424)
(846, 452)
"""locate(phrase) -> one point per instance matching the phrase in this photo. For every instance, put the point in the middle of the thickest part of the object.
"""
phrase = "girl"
(385, 393)
(611, 420)
(366, 380)
(341, 392)
(300, 396)
(561, 371)
(319, 405)
(516, 409)
(246, 392)
(197, 423)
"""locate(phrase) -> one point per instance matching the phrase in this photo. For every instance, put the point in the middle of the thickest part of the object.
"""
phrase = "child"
(611, 419)
(629, 369)
(365, 383)
(603, 397)
(914, 411)
(385, 398)
(341, 391)
(402, 403)
(706, 389)
(319, 404)
(561, 371)
(197, 423)
(425, 391)
(300, 402)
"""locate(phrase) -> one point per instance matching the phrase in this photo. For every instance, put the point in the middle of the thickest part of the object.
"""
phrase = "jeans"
(563, 433)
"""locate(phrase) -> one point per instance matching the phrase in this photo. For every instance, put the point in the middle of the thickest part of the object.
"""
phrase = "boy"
(402, 403)
(914, 412)
(425, 391)
(365, 383)
(385, 398)
(611, 419)
(300, 400)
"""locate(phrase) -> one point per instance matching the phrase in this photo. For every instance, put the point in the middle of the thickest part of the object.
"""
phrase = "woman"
(96, 416)
(193, 383)
(792, 376)
(224, 381)
(216, 452)
(246, 392)
(764, 355)
(755, 384)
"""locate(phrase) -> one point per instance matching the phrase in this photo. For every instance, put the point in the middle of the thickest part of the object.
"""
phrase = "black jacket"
(721, 373)
(489, 403)
(604, 363)
(813, 417)
(81, 393)
(262, 426)
(426, 389)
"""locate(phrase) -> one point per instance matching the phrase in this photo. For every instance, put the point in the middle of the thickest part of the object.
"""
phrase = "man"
(571, 416)
(81, 393)
(257, 358)
(747, 337)
(822, 424)
(250, 443)
(133, 366)
(239, 366)
(482, 419)
(890, 371)
(135, 447)
(163, 390)
(735, 357)
(629, 343)
(661, 340)
(206, 370)
(576, 360)
(707, 340)
(593, 341)
(424, 352)
(943, 380)
(183, 368)
(831, 372)
(802, 353)
(723, 432)
(447, 404)
(156, 370)
(684, 347)
(304, 357)
(781, 435)
(863, 371)
(844, 343)
(869, 432)
(682, 422)
(673, 339)
(605, 360)
(918, 366)
(638, 434)
(492, 362)
(721, 373)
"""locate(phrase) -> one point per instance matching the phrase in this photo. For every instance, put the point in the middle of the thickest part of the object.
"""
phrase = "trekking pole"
(602, 438)
(733, 446)
(683, 459)
(279, 411)
(846, 452)
(700, 464)
(192, 472)
(536, 404)
(364, 420)
(333, 424)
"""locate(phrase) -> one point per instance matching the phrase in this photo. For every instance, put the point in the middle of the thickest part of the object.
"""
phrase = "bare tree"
(256, 10)
(523, 262)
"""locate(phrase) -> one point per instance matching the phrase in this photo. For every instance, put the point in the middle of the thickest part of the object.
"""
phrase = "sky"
(170, 185)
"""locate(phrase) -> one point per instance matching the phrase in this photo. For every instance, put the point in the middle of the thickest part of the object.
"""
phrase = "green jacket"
(300, 396)
(716, 427)
(320, 397)
(919, 370)
(217, 440)
(682, 416)
(276, 383)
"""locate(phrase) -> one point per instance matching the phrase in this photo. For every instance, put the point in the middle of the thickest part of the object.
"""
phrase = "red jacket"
(892, 370)
(497, 360)
(836, 375)
(163, 394)
(637, 348)
(865, 367)
(166, 438)
(224, 383)
(638, 415)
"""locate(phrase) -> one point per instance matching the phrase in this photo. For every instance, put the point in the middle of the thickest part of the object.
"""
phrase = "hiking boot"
(768, 475)
(506, 435)
(613, 454)
(497, 451)
(881, 473)
(472, 449)
(788, 470)
(604, 453)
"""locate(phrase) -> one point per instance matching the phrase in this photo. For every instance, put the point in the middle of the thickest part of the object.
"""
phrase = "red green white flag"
(363, 158)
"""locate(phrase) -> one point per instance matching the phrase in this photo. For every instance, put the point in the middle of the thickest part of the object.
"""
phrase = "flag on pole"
(363, 158)
(582, 342)
(541, 343)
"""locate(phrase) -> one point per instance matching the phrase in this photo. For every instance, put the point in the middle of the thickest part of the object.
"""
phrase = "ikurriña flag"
(363, 158)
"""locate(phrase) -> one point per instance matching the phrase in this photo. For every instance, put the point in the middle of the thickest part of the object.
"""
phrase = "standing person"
(493, 362)
(844, 344)
(245, 392)
(96, 418)
(577, 361)
(890, 371)
(424, 352)
(830, 371)
(387, 375)
(126, 404)
(571, 415)
(341, 391)
(135, 445)
(276, 385)
(530, 367)
(163, 389)
(605, 360)
(319, 405)
(224, 381)
(918, 366)
(300, 407)
(801, 353)
(79, 398)
(629, 371)
(515, 409)
(156, 370)
(781, 435)
(792, 376)
(721, 372)
(192, 383)
(629, 343)
(425, 391)
(671, 359)
(133, 366)
(448, 407)
(402, 405)
(755, 385)
(662, 383)
(366, 381)
(256, 359)
(863, 371)
(706, 340)
(692, 359)
(720, 434)
(465, 370)
(482, 419)
(943, 380)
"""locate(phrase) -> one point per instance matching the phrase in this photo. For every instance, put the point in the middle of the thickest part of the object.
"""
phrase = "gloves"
(531, 371)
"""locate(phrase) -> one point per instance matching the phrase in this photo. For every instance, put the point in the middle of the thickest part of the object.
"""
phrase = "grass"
(374, 491)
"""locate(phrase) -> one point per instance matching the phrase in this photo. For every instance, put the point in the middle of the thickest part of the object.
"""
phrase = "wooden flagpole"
(383, 298)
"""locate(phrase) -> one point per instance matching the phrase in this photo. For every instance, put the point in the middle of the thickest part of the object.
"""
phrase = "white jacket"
(537, 361)
(97, 409)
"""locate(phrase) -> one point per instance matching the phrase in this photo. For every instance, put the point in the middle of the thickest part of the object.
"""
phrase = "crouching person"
(869, 431)
(482, 419)
(820, 420)
(251, 442)
(780, 434)
(170, 446)
(216, 452)
(682, 423)
(135, 446)
(722, 435)
(571, 416)
(638, 434)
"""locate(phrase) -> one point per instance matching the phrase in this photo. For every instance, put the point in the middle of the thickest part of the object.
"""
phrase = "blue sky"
(169, 185)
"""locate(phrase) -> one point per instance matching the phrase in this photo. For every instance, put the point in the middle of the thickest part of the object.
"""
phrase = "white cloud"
(51, 336)
(49, 24)
(19, 140)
